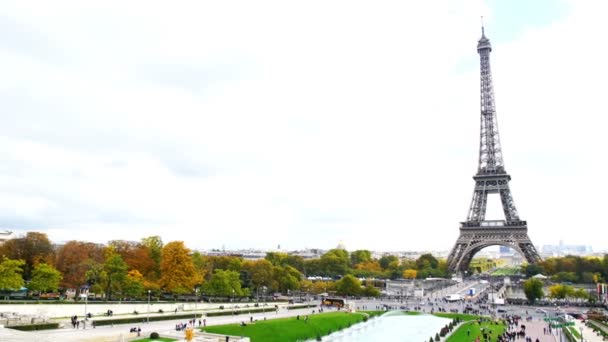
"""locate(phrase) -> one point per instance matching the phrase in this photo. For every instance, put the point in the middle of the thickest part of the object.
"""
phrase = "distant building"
(6, 235)
(563, 249)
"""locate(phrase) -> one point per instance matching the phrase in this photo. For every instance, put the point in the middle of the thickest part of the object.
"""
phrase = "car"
(501, 310)
(543, 311)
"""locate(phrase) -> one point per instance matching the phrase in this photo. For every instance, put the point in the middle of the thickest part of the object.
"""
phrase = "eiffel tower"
(476, 232)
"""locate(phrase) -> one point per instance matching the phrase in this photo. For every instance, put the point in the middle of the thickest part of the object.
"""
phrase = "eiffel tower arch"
(476, 232)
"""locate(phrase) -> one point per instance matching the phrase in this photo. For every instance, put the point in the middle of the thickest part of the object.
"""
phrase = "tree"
(560, 291)
(533, 288)
(386, 260)
(178, 274)
(426, 261)
(10, 274)
(74, 259)
(45, 278)
(115, 269)
(286, 278)
(410, 274)
(370, 291)
(360, 256)
(155, 248)
(34, 248)
(133, 286)
(223, 283)
(348, 286)
(335, 262)
(261, 272)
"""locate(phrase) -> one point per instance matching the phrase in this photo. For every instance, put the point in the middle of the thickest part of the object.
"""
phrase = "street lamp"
(581, 329)
(149, 305)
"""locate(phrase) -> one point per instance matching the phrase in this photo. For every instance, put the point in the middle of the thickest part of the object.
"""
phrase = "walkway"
(588, 334)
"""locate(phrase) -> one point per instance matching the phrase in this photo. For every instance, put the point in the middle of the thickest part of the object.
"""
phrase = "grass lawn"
(164, 339)
(460, 335)
(463, 317)
(290, 329)
(574, 332)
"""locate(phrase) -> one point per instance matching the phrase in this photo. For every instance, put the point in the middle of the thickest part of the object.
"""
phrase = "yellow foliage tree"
(178, 274)
(410, 274)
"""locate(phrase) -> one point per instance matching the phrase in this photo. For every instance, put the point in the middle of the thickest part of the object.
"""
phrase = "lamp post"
(581, 329)
(149, 305)
(86, 298)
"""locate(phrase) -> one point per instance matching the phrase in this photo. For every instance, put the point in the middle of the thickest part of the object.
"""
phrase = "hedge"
(142, 318)
(303, 306)
(230, 312)
(31, 327)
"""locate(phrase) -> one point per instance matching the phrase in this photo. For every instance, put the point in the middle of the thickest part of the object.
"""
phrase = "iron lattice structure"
(476, 232)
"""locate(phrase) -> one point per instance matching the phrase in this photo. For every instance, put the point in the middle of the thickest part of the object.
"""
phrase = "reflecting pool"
(392, 327)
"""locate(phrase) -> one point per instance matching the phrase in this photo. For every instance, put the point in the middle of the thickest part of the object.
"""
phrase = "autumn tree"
(178, 274)
(45, 278)
(34, 248)
(10, 274)
(410, 274)
(136, 256)
(73, 260)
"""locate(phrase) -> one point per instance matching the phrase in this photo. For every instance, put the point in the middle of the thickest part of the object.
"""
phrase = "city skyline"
(255, 125)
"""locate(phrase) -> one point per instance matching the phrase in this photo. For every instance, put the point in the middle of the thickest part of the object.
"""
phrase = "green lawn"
(462, 317)
(460, 335)
(506, 271)
(290, 329)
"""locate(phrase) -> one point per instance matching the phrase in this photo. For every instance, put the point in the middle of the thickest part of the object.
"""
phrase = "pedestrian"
(204, 322)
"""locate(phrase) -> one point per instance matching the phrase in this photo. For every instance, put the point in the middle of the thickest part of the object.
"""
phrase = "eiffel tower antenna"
(476, 232)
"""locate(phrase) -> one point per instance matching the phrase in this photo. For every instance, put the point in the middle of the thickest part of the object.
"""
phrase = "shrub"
(437, 338)
(431, 339)
(319, 337)
(31, 327)
(154, 335)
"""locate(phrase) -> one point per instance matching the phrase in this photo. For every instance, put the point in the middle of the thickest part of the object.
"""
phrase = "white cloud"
(264, 123)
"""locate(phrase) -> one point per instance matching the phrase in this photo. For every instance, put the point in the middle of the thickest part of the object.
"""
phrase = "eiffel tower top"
(483, 43)
(490, 152)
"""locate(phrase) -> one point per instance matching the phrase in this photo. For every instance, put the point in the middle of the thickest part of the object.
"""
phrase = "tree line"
(124, 269)
(571, 268)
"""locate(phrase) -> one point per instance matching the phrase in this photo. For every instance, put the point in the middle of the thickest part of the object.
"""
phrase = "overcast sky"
(259, 123)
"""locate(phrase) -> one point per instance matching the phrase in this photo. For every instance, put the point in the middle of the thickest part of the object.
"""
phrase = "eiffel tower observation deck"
(476, 232)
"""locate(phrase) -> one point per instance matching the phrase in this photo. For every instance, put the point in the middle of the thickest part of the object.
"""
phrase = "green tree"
(370, 291)
(360, 256)
(155, 248)
(115, 269)
(10, 274)
(335, 262)
(348, 286)
(286, 278)
(386, 260)
(223, 283)
(533, 288)
(560, 291)
(426, 261)
(45, 278)
(133, 286)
